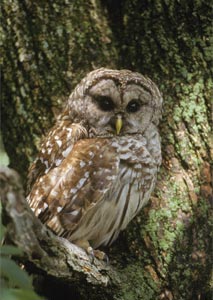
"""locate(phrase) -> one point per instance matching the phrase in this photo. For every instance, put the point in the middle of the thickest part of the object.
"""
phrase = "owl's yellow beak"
(118, 124)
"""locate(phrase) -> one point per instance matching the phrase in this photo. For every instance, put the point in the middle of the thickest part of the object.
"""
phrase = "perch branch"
(48, 252)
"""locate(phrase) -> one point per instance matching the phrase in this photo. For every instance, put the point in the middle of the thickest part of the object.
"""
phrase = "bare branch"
(54, 255)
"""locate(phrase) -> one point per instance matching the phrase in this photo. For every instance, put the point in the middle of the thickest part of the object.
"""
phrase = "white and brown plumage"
(98, 165)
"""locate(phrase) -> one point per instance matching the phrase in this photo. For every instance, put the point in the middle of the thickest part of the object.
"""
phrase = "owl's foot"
(92, 252)
(98, 254)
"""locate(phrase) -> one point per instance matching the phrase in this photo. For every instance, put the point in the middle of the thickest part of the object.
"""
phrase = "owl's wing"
(61, 197)
(54, 149)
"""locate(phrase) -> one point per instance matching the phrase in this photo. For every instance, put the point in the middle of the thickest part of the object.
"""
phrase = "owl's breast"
(129, 191)
(137, 177)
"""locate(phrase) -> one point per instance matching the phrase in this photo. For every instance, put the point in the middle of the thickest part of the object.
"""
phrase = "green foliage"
(4, 159)
(15, 283)
(19, 294)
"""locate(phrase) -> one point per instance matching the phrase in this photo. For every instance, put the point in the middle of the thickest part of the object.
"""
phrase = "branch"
(48, 252)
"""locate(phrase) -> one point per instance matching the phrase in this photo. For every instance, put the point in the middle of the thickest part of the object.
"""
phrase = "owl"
(98, 165)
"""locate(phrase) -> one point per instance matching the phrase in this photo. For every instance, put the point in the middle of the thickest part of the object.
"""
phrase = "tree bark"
(165, 253)
(47, 48)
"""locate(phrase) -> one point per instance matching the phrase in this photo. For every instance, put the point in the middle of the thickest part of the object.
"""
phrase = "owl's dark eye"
(133, 106)
(105, 103)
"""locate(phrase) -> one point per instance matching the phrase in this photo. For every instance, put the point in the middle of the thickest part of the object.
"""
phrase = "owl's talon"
(106, 259)
(91, 254)
(101, 256)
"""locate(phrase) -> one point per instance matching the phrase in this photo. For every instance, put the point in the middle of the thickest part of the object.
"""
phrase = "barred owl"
(98, 165)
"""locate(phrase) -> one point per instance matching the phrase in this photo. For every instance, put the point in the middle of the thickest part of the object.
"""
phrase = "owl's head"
(115, 102)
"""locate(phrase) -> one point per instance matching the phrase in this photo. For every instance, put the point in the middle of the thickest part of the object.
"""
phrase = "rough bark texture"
(47, 47)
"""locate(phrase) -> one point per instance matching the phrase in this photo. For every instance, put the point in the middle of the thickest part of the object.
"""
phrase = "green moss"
(141, 283)
(166, 225)
(193, 248)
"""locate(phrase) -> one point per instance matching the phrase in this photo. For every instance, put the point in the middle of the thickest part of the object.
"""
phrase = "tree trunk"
(165, 253)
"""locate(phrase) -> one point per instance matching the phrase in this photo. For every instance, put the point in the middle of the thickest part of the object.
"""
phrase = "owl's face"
(116, 111)
(118, 103)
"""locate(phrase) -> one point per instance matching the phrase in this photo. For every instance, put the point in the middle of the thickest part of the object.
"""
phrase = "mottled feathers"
(98, 165)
